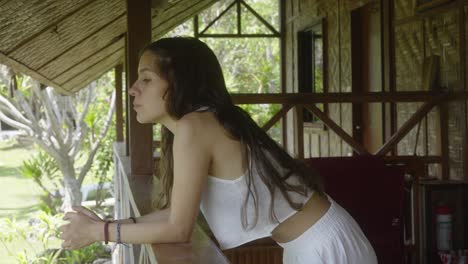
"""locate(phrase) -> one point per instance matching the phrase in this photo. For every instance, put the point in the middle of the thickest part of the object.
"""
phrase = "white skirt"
(335, 238)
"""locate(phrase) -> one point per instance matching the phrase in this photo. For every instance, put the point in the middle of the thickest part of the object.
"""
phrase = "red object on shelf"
(444, 227)
(452, 257)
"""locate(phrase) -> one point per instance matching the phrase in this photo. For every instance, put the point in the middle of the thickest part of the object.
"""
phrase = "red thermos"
(444, 227)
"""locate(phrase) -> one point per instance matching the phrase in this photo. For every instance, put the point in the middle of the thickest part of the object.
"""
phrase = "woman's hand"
(81, 231)
(83, 210)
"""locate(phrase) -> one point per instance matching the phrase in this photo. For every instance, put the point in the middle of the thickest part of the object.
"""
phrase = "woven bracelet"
(106, 232)
(118, 233)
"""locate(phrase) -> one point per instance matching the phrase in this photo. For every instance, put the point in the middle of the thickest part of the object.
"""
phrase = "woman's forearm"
(151, 217)
(154, 216)
(143, 233)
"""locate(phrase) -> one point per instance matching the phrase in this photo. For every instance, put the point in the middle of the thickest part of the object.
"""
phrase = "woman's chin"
(146, 120)
(142, 120)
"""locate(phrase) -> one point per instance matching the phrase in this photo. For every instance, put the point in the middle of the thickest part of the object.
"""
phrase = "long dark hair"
(195, 79)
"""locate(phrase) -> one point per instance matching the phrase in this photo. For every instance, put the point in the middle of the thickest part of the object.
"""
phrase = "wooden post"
(140, 135)
(357, 82)
(462, 44)
(118, 103)
(388, 68)
(444, 143)
(299, 131)
(283, 65)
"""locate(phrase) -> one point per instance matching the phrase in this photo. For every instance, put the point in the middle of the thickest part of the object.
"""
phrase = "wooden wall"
(301, 14)
(417, 35)
(417, 38)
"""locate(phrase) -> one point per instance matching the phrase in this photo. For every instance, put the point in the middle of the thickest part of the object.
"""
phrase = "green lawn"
(18, 195)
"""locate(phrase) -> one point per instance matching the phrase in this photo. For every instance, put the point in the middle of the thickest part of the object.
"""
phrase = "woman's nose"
(132, 90)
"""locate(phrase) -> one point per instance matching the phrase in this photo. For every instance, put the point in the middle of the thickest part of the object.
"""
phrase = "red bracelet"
(106, 232)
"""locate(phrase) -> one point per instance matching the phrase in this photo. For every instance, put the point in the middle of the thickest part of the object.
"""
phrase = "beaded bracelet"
(106, 232)
(118, 233)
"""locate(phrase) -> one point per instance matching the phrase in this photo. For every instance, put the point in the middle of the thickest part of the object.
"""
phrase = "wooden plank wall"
(417, 35)
(301, 14)
(437, 31)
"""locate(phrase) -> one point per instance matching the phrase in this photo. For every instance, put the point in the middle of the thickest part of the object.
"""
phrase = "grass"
(19, 199)
(18, 196)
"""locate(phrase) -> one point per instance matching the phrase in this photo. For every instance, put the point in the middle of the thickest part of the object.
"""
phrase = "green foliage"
(102, 167)
(102, 172)
(250, 65)
(84, 255)
(43, 170)
(43, 228)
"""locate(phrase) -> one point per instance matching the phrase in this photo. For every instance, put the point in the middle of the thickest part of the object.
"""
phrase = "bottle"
(444, 227)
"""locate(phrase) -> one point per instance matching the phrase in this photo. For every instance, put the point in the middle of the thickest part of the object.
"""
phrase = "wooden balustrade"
(200, 250)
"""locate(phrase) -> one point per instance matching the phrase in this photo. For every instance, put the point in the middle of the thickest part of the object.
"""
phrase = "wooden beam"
(283, 64)
(300, 131)
(388, 65)
(369, 97)
(203, 35)
(406, 127)
(259, 17)
(140, 135)
(218, 17)
(281, 113)
(454, 5)
(462, 48)
(424, 159)
(177, 14)
(444, 142)
(357, 70)
(118, 103)
(337, 129)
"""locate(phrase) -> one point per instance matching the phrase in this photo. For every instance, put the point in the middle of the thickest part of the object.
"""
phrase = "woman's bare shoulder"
(203, 125)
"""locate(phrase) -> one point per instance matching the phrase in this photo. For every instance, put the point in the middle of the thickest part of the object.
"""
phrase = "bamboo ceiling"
(67, 44)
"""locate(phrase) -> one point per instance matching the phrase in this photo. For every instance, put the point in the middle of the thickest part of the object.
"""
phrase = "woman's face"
(148, 91)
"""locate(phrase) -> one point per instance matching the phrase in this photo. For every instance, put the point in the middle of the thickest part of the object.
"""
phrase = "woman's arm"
(191, 164)
(158, 215)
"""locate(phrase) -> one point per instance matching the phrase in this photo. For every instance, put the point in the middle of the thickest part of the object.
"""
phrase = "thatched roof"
(67, 44)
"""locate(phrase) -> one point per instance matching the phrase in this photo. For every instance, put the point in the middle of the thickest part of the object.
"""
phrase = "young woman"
(217, 160)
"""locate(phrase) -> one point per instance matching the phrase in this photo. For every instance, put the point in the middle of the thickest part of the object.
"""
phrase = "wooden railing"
(125, 207)
(298, 102)
(199, 250)
(307, 101)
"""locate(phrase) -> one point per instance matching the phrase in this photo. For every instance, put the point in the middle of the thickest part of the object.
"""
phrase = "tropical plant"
(62, 126)
(42, 229)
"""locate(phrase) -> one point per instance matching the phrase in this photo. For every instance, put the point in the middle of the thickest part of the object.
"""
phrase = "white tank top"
(222, 202)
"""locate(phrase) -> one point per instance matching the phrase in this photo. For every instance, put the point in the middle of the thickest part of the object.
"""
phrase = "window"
(312, 66)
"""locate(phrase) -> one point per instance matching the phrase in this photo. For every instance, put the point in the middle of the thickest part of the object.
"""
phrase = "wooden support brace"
(337, 129)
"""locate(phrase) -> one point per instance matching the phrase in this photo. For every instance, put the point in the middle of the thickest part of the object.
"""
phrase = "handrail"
(124, 207)
(199, 250)
(307, 101)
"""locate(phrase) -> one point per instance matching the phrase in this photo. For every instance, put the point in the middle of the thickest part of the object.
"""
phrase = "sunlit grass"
(19, 196)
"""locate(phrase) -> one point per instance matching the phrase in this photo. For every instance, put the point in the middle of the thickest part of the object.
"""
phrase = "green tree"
(250, 65)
